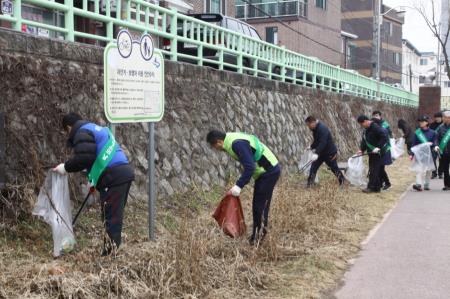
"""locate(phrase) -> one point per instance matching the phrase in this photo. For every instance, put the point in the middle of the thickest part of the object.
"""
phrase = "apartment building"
(358, 18)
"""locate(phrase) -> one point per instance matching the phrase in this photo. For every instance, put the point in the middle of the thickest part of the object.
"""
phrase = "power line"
(279, 20)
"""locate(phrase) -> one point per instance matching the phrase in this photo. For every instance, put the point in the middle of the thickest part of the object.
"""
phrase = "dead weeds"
(312, 235)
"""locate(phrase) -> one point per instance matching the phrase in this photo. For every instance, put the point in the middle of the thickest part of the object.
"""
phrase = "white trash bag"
(356, 172)
(423, 158)
(54, 206)
(305, 164)
(397, 147)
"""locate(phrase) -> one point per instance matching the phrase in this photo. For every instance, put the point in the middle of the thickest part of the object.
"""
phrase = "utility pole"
(377, 43)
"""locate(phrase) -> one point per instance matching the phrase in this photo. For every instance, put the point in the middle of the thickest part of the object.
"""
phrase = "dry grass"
(312, 236)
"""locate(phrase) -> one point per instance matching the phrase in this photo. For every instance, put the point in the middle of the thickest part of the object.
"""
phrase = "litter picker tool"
(357, 156)
(90, 192)
(305, 166)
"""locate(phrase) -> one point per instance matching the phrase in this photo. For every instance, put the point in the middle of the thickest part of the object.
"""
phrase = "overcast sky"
(415, 29)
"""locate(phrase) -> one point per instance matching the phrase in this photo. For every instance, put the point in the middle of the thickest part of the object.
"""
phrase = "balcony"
(260, 10)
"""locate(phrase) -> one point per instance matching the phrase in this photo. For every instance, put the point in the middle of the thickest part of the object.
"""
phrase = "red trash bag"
(230, 217)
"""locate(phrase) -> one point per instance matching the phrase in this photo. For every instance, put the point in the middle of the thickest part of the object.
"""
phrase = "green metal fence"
(208, 44)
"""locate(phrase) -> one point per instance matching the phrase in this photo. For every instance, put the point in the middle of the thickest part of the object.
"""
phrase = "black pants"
(384, 178)
(440, 170)
(375, 167)
(445, 162)
(113, 201)
(331, 162)
(262, 196)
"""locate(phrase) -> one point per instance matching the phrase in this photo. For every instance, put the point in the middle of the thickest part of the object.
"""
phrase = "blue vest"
(101, 137)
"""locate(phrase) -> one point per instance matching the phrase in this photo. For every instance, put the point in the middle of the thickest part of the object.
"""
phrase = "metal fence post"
(283, 64)
(240, 56)
(69, 21)
(174, 33)
(18, 15)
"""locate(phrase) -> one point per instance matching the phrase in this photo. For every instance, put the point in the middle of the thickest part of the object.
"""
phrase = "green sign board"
(134, 81)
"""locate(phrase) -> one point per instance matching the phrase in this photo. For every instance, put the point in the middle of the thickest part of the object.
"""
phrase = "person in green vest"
(424, 135)
(376, 142)
(96, 151)
(376, 115)
(259, 162)
(443, 137)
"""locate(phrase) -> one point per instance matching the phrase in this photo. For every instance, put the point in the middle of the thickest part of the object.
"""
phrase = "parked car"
(233, 24)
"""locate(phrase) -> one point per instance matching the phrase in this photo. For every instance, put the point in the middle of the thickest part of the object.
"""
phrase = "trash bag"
(397, 148)
(356, 172)
(230, 217)
(423, 158)
(305, 164)
(54, 206)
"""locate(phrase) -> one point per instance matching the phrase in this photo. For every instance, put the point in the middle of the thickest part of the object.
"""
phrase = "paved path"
(409, 256)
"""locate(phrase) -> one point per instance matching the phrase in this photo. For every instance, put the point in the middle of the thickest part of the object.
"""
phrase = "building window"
(272, 35)
(270, 8)
(423, 61)
(321, 4)
(447, 84)
(215, 6)
(396, 58)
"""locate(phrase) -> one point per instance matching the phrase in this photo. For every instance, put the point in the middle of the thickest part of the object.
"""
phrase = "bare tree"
(440, 30)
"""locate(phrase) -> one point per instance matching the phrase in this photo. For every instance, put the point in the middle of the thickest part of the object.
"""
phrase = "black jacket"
(380, 123)
(323, 143)
(408, 134)
(376, 136)
(434, 125)
(84, 154)
(440, 135)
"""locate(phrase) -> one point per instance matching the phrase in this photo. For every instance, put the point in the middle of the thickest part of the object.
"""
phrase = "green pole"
(18, 15)
(69, 21)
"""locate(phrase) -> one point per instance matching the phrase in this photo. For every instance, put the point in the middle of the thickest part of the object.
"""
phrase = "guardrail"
(209, 45)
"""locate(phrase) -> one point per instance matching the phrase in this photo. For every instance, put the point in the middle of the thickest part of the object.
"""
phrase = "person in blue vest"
(376, 142)
(443, 138)
(258, 162)
(96, 151)
(324, 150)
(424, 135)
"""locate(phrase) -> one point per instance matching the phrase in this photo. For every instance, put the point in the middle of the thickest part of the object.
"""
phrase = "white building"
(410, 66)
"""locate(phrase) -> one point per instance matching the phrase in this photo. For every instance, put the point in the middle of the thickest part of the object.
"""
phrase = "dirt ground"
(313, 236)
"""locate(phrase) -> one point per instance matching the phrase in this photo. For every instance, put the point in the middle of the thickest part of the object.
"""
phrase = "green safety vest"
(104, 157)
(260, 150)
(444, 141)
(421, 136)
(386, 147)
(385, 124)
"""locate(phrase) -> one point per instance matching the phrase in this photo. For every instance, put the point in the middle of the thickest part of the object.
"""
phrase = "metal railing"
(208, 44)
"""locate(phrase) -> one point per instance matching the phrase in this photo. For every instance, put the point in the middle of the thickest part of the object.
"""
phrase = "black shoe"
(417, 187)
(445, 188)
(426, 188)
(434, 175)
(441, 176)
(387, 186)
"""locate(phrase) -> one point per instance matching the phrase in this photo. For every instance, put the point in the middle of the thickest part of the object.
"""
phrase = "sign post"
(134, 92)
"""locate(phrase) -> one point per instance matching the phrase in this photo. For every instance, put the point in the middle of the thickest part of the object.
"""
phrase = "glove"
(358, 153)
(437, 149)
(314, 157)
(376, 150)
(411, 157)
(235, 191)
(60, 169)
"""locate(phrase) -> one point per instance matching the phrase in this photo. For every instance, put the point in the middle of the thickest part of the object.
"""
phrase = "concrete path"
(409, 255)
